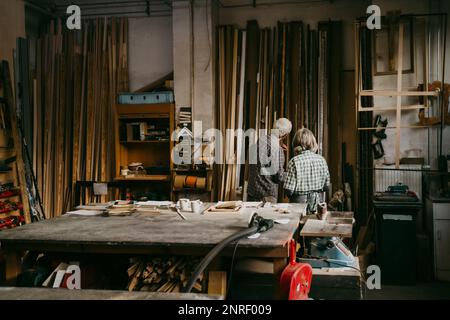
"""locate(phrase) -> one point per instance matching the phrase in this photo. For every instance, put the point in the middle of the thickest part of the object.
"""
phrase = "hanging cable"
(256, 224)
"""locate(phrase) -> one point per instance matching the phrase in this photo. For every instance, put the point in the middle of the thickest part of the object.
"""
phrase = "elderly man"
(268, 171)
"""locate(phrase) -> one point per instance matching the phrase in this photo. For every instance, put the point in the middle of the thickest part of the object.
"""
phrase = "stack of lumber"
(121, 210)
(78, 75)
(265, 74)
(164, 274)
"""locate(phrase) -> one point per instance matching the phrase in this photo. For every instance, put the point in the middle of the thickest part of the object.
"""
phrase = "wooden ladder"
(12, 149)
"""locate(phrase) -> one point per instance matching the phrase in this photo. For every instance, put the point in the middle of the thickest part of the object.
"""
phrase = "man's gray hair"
(282, 126)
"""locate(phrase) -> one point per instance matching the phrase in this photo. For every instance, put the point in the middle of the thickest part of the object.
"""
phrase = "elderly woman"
(307, 174)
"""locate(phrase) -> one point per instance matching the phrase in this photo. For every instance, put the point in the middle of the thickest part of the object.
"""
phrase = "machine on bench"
(329, 252)
(326, 249)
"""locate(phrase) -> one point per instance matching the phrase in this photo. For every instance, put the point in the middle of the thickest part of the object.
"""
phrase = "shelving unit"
(151, 153)
(399, 91)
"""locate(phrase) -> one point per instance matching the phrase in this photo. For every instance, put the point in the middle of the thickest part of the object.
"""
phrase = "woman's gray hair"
(304, 140)
(282, 127)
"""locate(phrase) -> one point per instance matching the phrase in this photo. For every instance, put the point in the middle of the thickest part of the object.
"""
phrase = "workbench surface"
(165, 230)
(14, 293)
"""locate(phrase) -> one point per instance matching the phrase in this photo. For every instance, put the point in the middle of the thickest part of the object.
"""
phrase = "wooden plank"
(12, 267)
(278, 267)
(240, 121)
(357, 74)
(320, 228)
(144, 178)
(231, 148)
(403, 107)
(398, 119)
(222, 126)
(394, 127)
(217, 283)
(388, 93)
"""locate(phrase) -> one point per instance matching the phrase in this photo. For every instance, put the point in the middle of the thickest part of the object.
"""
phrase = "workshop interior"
(224, 150)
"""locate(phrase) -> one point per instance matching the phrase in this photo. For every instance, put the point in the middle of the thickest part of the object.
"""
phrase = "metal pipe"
(254, 5)
(99, 6)
(39, 9)
(109, 3)
(143, 13)
(141, 7)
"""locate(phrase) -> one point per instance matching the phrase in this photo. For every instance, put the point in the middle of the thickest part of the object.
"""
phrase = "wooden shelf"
(144, 178)
(410, 107)
(389, 93)
(151, 153)
(193, 170)
(12, 213)
(392, 127)
(192, 190)
(144, 110)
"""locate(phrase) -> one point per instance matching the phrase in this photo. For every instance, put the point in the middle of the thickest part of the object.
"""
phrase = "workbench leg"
(13, 267)
(278, 266)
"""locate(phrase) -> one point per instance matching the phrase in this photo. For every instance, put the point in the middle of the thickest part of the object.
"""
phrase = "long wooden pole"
(399, 97)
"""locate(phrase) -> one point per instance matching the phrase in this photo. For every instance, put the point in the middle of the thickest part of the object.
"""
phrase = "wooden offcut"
(217, 283)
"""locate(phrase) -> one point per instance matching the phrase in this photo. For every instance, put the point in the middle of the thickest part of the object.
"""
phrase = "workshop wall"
(150, 50)
(193, 58)
(13, 20)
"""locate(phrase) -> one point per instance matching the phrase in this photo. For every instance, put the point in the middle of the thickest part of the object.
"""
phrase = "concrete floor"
(421, 291)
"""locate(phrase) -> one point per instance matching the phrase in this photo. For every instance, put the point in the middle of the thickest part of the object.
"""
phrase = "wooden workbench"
(161, 233)
(15, 293)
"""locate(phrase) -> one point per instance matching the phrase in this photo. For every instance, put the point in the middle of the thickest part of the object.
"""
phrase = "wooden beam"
(399, 97)
(388, 93)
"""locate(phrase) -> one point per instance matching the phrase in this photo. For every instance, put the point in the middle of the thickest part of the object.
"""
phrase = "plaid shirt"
(307, 174)
(264, 178)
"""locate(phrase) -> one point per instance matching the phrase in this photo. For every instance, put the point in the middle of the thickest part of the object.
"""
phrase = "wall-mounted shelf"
(409, 107)
(404, 24)
(406, 126)
(153, 118)
(143, 178)
(392, 93)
